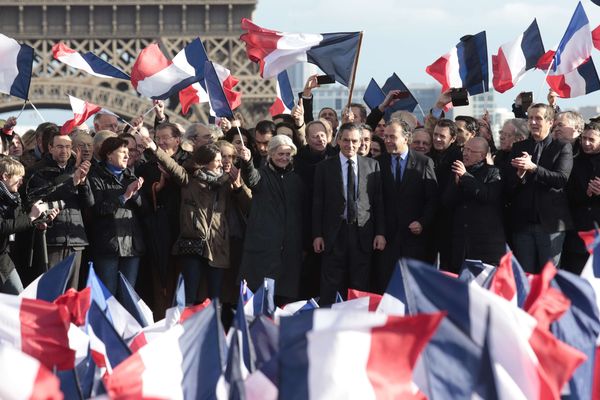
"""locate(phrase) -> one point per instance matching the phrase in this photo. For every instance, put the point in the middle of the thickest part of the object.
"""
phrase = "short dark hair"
(47, 131)
(126, 136)
(548, 113)
(264, 126)
(378, 139)
(56, 134)
(471, 124)
(234, 132)
(295, 134)
(362, 108)
(175, 132)
(448, 123)
(109, 145)
(285, 117)
(592, 125)
(206, 153)
(348, 126)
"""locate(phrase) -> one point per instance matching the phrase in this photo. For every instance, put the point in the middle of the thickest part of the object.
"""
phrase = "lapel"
(338, 179)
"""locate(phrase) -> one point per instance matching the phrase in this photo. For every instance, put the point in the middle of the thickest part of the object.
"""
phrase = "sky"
(406, 36)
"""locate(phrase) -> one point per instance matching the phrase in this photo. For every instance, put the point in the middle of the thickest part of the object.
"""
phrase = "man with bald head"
(474, 193)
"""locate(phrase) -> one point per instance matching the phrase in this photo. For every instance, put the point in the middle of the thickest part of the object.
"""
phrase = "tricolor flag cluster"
(486, 333)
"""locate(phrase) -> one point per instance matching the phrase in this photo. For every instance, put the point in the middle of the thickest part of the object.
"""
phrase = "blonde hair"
(281, 140)
(11, 167)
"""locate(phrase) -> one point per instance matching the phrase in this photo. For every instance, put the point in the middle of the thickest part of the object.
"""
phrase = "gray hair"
(281, 140)
(521, 128)
(576, 120)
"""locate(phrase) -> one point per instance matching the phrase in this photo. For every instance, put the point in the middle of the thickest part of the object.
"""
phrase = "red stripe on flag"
(60, 49)
(438, 70)
(559, 85)
(544, 61)
(44, 333)
(46, 386)
(374, 299)
(149, 62)
(545, 303)
(77, 303)
(596, 378)
(260, 42)
(395, 348)
(503, 282)
(502, 75)
(126, 381)
(188, 97)
(277, 107)
(596, 37)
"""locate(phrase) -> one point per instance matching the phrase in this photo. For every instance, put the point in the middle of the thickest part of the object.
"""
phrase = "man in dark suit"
(348, 218)
(410, 198)
(536, 185)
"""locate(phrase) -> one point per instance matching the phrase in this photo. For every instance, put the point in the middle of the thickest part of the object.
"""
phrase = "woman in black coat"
(117, 241)
(273, 245)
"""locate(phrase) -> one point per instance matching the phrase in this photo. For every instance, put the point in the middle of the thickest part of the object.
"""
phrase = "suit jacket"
(413, 199)
(329, 202)
(540, 196)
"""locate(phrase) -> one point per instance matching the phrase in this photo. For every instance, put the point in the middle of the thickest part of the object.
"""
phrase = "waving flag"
(184, 362)
(51, 284)
(23, 377)
(373, 96)
(393, 301)
(465, 66)
(17, 64)
(107, 347)
(575, 46)
(363, 353)
(285, 97)
(37, 328)
(155, 76)
(407, 103)
(581, 81)
(82, 110)
(219, 83)
(276, 51)
(263, 301)
(88, 62)
(517, 57)
(134, 304)
(509, 280)
(475, 271)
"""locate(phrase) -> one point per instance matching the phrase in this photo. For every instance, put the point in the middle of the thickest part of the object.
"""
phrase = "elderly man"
(199, 134)
(474, 193)
(106, 122)
(421, 141)
(539, 212)
(513, 130)
(568, 126)
(365, 140)
(410, 199)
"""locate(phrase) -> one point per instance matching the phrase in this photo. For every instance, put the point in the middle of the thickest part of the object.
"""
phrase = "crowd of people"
(319, 205)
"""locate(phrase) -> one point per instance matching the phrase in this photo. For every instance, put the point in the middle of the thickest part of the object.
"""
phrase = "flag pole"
(22, 108)
(354, 67)
(422, 113)
(36, 110)
(547, 73)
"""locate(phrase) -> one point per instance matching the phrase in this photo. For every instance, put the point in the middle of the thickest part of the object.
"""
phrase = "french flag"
(37, 328)
(373, 96)
(465, 66)
(82, 110)
(285, 97)
(579, 82)
(24, 377)
(475, 271)
(333, 53)
(154, 75)
(184, 362)
(329, 354)
(575, 47)
(517, 57)
(263, 301)
(509, 281)
(393, 301)
(536, 367)
(134, 304)
(17, 65)
(219, 86)
(88, 62)
(52, 283)
(359, 301)
(545, 302)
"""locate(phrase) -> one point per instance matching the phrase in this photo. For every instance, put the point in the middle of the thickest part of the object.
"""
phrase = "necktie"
(351, 195)
(537, 152)
(398, 172)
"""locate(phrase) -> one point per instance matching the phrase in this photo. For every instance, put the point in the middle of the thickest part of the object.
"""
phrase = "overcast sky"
(405, 36)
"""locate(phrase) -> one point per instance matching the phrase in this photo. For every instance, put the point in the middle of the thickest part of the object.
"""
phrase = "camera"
(46, 208)
(459, 97)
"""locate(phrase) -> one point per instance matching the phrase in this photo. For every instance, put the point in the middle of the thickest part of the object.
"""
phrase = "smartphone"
(526, 100)
(325, 79)
(459, 97)
(402, 95)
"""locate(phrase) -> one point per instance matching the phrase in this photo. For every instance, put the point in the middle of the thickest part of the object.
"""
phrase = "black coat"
(12, 219)
(585, 209)
(273, 245)
(116, 231)
(478, 231)
(52, 183)
(540, 197)
(329, 202)
(414, 199)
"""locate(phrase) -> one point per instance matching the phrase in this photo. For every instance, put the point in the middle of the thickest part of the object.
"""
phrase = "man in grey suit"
(348, 218)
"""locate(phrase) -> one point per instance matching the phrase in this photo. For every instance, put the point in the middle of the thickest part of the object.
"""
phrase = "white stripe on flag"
(515, 58)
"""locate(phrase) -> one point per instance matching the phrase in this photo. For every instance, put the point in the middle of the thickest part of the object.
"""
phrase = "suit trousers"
(344, 266)
(534, 247)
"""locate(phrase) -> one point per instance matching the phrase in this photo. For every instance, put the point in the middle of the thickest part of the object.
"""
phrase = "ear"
(5, 177)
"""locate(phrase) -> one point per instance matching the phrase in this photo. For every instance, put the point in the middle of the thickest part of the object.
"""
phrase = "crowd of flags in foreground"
(489, 333)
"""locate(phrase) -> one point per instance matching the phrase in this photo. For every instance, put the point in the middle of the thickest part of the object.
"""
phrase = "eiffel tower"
(117, 31)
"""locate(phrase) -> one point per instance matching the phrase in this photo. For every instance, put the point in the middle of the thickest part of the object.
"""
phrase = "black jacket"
(49, 182)
(585, 209)
(116, 231)
(12, 219)
(478, 231)
(329, 202)
(540, 197)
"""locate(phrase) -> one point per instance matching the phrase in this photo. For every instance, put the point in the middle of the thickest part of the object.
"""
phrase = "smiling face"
(228, 155)
(118, 157)
(349, 142)
(317, 137)
(281, 156)
(474, 151)
(12, 182)
(421, 142)
(442, 138)
(60, 149)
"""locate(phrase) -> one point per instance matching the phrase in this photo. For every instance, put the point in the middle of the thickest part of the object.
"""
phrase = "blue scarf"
(116, 171)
